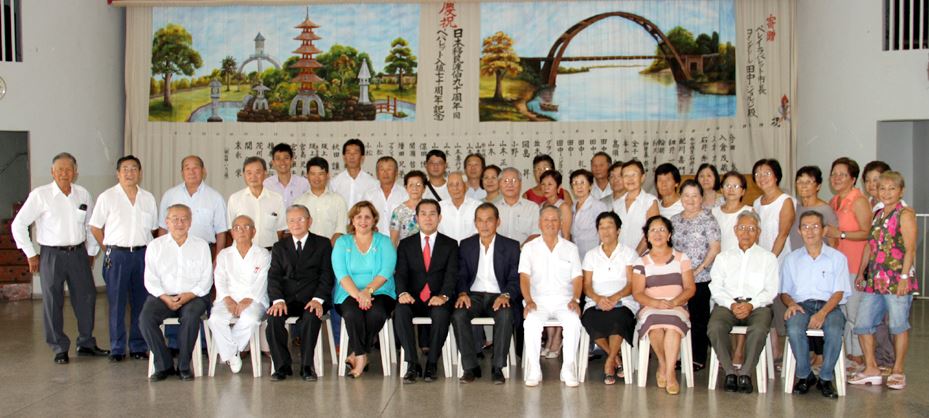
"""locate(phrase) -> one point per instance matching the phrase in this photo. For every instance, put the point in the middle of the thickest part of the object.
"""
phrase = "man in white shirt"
(285, 183)
(241, 279)
(551, 281)
(458, 210)
(122, 223)
(389, 195)
(474, 168)
(328, 209)
(436, 165)
(264, 206)
(745, 283)
(178, 277)
(209, 209)
(617, 188)
(353, 182)
(60, 212)
(600, 165)
(519, 217)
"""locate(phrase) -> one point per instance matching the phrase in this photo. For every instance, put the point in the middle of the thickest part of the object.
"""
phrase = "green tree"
(344, 68)
(499, 59)
(400, 60)
(173, 53)
(227, 69)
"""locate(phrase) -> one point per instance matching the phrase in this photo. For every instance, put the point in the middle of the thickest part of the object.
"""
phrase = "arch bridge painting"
(603, 61)
(285, 63)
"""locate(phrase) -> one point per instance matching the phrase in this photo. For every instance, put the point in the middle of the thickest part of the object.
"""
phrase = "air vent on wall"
(906, 24)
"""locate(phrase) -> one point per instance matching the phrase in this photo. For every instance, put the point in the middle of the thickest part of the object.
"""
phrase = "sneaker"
(235, 363)
(571, 383)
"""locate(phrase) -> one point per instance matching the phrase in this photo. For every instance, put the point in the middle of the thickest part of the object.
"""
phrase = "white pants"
(571, 335)
(230, 340)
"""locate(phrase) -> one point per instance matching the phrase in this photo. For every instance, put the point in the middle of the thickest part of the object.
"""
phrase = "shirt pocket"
(148, 220)
(563, 271)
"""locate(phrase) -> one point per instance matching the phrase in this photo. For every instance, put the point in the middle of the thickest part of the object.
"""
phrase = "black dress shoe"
(281, 374)
(496, 375)
(308, 374)
(732, 383)
(429, 374)
(745, 384)
(185, 375)
(477, 372)
(92, 351)
(61, 358)
(161, 375)
(116, 358)
(467, 376)
(803, 385)
(827, 389)
(174, 352)
(139, 355)
(411, 373)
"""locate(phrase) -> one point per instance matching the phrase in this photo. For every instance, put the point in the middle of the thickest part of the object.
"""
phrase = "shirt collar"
(303, 240)
(432, 236)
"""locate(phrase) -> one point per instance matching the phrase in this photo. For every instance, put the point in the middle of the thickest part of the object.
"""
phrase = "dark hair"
(250, 160)
(129, 157)
(691, 183)
(636, 163)
(667, 224)
(615, 165)
(68, 156)
(716, 183)
(486, 206)
(433, 202)
(852, 165)
(436, 153)
(878, 165)
(809, 213)
(317, 162)
(773, 164)
(609, 215)
(668, 168)
(479, 157)
(282, 147)
(490, 167)
(742, 181)
(387, 158)
(582, 173)
(609, 160)
(811, 171)
(415, 173)
(543, 158)
(356, 142)
(554, 174)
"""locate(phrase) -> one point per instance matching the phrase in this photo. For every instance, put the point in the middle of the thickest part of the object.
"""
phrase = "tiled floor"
(33, 386)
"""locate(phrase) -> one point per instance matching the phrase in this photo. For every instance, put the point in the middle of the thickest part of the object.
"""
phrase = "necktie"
(427, 259)
(299, 247)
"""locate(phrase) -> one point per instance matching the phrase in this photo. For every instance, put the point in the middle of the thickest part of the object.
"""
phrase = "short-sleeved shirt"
(633, 218)
(294, 189)
(609, 273)
(353, 189)
(670, 211)
(519, 221)
(551, 272)
(172, 269)
(458, 222)
(584, 225)
(403, 220)
(386, 205)
(267, 211)
(805, 278)
(207, 206)
(125, 224)
(693, 237)
(727, 221)
(796, 241)
(329, 213)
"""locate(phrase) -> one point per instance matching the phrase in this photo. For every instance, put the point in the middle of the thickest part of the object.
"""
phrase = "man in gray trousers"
(60, 211)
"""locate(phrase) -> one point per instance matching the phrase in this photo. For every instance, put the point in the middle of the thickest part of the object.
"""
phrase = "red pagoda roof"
(307, 49)
(307, 63)
(307, 36)
(307, 78)
(307, 24)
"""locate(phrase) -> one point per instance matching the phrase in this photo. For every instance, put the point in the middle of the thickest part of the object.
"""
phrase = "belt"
(130, 249)
(67, 248)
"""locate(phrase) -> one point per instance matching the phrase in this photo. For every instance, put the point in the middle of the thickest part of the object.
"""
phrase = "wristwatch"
(843, 235)
(904, 276)
(577, 301)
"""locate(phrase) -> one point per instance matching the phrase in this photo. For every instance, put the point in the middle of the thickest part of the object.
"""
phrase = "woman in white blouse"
(733, 189)
(635, 206)
(585, 208)
(776, 208)
(667, 181)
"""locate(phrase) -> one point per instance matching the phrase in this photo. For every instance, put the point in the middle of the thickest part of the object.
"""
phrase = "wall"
(13, 161)
(847, 83)
(920, 189)
(68, 92)
(896, 148)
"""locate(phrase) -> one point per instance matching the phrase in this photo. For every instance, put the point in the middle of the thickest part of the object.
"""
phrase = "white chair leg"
(511, 358)
(343, 350)
(642, 367)
(687, 360)
(384, 337)
(583, 359)
(318, 362)
(840, 372)
(761, 371)
(391, 332)
(788, 367)
(769, 355)
(255, 348)
(196, 357)
(713, 369)
(447, 362)
(332, 351)
(211, 353)
(625, 352)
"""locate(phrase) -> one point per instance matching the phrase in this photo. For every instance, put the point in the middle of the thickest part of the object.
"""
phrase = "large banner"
(681, 81)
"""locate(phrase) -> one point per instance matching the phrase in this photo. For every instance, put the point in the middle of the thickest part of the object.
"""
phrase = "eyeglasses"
(659, 230)
(747, 228)
(297, 220)
(810, 227)
(579, 183)
(732, 186)
(242, 228)
(764, 174)
(509, 181)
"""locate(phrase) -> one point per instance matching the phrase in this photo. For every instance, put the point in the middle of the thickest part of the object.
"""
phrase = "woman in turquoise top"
(363, 262)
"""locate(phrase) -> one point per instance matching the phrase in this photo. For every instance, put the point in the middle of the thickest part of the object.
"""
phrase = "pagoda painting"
(307, 102)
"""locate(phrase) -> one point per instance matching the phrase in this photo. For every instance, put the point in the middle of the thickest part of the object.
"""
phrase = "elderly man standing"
(241, 279)
(178, 277)
(745, 283)
(519, 217)
(60, 212)
(814, 282)
(458, 210)
(389, 195)
(551, 281)
(263, 205)
(209, 209)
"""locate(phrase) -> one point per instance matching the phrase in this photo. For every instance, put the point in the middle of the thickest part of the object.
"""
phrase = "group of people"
(606, 258)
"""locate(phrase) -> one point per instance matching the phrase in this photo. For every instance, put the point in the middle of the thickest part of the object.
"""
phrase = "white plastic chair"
(580, 355)
(385, 338)
(196, 357)
(790, 365)
(254, 343)
(447, 352)
(763, 370)
(318, 351)
(687, 365)
(487, 321)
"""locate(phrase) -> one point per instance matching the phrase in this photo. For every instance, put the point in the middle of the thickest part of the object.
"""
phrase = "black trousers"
(154, 312)
(362, 326)
(438, 332)
(482, 306)
(308, 325)
(699, 308)
(57, 267)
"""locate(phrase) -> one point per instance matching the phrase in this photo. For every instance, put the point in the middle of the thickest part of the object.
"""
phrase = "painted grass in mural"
(600, 61)
(276, 64)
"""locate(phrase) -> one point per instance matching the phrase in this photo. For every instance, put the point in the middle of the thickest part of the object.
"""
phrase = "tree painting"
(499, 59)
(228, 69)
(172, 53)
(400, 60)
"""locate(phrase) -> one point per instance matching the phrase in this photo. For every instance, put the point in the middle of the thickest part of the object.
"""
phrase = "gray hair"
(249, 218)
(67, 155)
(457, 173)
(300, 207)
(180, 206)
(514, 171)
(749, 214)
(548, 206)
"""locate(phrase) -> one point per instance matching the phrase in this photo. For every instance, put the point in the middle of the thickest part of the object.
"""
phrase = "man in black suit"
(427, 268)
(488, 279)
(300, 284)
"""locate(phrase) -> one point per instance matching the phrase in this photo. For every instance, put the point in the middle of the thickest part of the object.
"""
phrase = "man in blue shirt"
(814, 282)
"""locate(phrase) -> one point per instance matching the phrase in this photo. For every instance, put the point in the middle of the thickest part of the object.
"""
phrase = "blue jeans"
(123, 274)
(873, 308)
(833, 330)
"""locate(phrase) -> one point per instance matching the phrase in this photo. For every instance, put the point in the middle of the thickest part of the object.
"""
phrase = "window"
(906, 24)
(11, 39)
